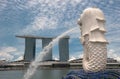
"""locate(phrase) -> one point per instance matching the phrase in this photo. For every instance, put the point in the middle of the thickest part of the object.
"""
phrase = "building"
(64, 49)
(30, 47)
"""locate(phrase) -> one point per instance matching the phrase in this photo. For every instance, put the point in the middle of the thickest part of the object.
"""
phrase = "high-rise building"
(30, 45)
(64, 49)
(48, 55)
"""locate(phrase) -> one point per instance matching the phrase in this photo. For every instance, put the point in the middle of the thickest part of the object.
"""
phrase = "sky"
(52, 18)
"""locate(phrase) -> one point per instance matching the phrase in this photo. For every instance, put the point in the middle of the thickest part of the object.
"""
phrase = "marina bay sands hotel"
(30, 47)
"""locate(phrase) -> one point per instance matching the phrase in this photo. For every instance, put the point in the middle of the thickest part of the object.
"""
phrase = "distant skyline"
(52, 18)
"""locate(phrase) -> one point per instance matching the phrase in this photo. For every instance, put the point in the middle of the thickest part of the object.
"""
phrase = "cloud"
(44, 23)
(53, 3)
(113, 54)
(40, 23)
(51, 15)
(5, 53)
(5, 56)
(72, 58)
(55, 58)
(3, 4)
(75, 2)
(8, 49)
(111, 1)
(9, 53)
(76, 55)
(19, 58)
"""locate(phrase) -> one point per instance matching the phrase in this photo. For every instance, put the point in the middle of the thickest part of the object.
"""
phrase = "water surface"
(40, 74)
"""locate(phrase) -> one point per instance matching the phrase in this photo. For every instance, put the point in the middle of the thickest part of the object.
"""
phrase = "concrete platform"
(52, 65)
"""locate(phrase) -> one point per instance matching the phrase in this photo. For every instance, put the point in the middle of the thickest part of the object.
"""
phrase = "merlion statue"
(92, 26)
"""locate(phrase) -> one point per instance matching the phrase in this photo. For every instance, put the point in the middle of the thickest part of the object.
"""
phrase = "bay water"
(39, 74)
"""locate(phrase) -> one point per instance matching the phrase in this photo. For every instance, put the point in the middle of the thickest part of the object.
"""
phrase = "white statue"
(92, 26)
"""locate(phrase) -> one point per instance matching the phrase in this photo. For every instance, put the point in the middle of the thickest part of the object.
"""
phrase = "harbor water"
(40, 73)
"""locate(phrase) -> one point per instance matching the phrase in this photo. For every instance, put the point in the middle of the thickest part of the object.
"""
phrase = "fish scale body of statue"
(92, 26)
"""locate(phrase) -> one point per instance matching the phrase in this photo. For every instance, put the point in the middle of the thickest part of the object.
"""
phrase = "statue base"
(107, 74)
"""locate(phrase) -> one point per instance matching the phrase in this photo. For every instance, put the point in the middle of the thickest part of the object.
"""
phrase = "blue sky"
(52, 18)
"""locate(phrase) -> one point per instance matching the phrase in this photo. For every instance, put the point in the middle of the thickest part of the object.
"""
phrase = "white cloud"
(76, 55)
(53, 3)
(111, 1)
(75, 2)
(44, 23)
(40, 23)
(9, 53)
(49, 14)
(8, 49)
(113, 54)
(55, 58)
(5, 56)
(72, 58)
(19, 58)
(5, 53)
(31, 3)
(3, 4)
